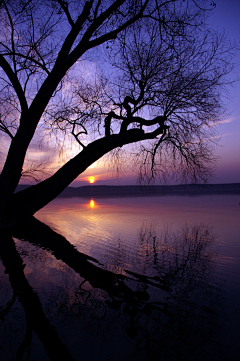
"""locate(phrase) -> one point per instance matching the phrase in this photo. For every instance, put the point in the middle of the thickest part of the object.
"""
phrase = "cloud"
(225, 135)
(225, 121)
(217, 137)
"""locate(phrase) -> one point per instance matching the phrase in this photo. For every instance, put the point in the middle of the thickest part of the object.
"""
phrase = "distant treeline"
(128, 191)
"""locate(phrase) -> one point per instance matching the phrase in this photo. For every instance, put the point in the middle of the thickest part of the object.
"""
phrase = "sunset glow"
(91, 203)
(91, 179)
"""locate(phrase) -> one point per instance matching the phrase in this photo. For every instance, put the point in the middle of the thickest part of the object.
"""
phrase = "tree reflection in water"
(79, 310)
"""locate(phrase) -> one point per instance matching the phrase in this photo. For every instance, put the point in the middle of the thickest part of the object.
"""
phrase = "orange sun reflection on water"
(92, 204)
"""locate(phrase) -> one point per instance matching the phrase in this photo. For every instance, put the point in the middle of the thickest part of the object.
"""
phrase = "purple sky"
(226, 16)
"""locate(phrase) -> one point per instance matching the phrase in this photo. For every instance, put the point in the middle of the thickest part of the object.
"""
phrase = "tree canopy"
(107, 74)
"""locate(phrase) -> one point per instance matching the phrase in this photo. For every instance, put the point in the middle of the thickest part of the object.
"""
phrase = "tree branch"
(29, 58)
(15, 83)
(64, 6)
(108, 36)
(74, 32)
(143, 122)
(4, 129)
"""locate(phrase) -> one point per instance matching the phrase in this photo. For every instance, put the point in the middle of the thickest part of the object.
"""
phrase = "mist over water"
(148, 278)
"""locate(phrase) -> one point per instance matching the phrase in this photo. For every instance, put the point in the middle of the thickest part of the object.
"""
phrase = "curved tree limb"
(15, 83)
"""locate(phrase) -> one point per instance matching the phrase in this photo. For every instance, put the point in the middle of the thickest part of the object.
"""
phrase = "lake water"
(142, 278)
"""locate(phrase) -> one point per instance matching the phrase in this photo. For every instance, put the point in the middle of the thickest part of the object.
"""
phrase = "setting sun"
(91, 179)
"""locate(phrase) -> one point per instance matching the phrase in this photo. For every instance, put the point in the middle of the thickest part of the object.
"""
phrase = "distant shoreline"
(136, 190)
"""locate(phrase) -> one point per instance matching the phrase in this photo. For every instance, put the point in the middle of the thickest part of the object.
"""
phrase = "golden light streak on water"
(92, 204)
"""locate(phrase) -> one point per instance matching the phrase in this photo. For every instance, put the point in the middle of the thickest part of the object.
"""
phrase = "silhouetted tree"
(162, 88)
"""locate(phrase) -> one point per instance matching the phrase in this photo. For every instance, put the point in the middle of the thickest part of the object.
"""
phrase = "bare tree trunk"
(30, 200)
(12, 170)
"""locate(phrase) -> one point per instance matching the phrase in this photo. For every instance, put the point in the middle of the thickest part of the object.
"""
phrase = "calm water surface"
(145, 278)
